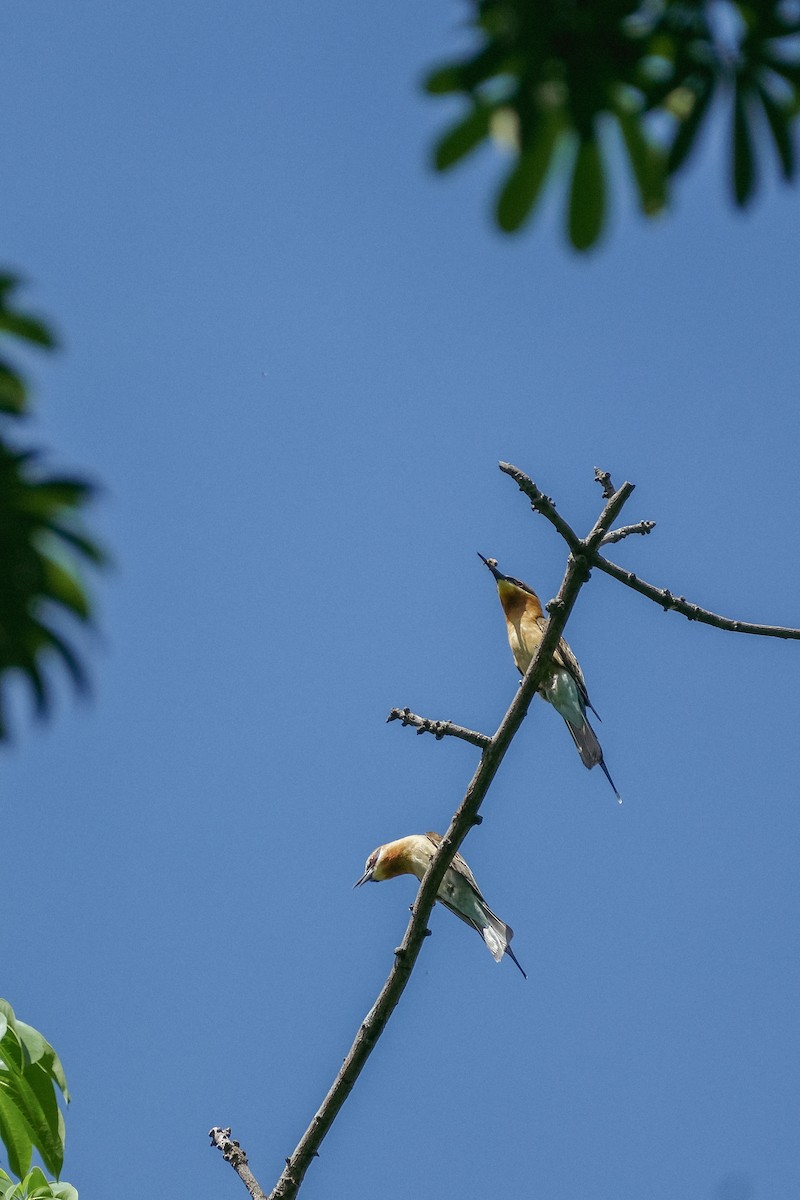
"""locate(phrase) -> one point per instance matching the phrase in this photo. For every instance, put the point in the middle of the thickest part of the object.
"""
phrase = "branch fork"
(584, 554)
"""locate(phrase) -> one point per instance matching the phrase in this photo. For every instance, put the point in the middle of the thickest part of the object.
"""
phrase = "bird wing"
(563, 657)
(457, 864)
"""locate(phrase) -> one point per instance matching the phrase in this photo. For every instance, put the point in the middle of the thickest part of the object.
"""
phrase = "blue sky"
(293, 356)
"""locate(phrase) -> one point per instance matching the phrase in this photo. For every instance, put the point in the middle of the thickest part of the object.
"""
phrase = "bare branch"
(542, 504)
(465, 817)
(662, 596)
(233, 1153)
(439, 729)
(604, 479)
(616, 535)
(692, 612)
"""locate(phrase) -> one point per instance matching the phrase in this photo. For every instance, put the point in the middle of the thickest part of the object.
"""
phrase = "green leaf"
(41, 696)
(77, 541)
(64, 1191)
(13, 397)
(38, 1117)
(587, 201)
(47, 637)
(7, 284)
(689, 127)
(36, 1180)
(780, 123)
(785, 67)
(40, 1051)
(60, 585)
(14, 1132)
(11, 1051)
(33, 1042)
(648, 162)
(463, 137)
(743, 165)
(29, 328)
(45, 1118)
(444, 80)
(521, 190)
(43, 495)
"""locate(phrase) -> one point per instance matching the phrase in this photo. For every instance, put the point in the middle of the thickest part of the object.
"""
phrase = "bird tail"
(590, 750)
(497, 936)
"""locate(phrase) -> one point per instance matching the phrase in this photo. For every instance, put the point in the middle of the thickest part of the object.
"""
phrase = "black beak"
(365, 878)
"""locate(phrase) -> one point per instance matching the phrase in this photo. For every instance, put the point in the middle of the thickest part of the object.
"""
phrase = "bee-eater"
(458, 891)
(565, 687)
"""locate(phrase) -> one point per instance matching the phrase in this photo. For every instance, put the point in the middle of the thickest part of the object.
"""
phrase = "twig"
(233, 1153)
(439, 729)
(465, 817)
(542, 504)
(604, 479)
(662, 596)
(616, 535)
(692, 612)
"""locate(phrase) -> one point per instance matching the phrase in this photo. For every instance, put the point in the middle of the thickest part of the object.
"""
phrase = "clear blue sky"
(293, 356)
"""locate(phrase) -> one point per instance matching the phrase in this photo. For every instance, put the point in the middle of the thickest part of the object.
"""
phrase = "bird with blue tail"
(564, 687)
(458, 891)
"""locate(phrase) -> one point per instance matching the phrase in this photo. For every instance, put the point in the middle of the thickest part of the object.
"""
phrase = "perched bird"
(458, 891)
(565, 687)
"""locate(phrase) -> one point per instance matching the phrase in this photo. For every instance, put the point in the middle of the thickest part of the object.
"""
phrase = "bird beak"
(365, 878)
(491, 563)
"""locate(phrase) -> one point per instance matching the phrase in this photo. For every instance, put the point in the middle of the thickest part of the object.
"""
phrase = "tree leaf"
(78, 541)
(689, 127)
(13, 397)
(648, 162)
(64, 588)
(780, 123)
(45, 1055)
(36, 1182)
(48, 1126)
(14, 1132)
(587, 200)
(64, 1191)
(29, 328)
(48, 637)
(463, 137)
(521, 190)
(443, 80)
(743, 167)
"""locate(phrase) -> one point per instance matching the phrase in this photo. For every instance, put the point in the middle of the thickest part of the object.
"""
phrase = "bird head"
(369, 868)
(508, 587)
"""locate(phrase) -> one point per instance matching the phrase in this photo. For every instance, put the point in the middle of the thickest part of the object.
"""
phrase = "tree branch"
(584, 554)
(233, 1153)
(465, 817)
(693, 612)
(439, 729)
(542, 504)
(604, 479)
(616, 535)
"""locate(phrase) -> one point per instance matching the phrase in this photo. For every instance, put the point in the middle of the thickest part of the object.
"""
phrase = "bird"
(458, 891)
(565, 687)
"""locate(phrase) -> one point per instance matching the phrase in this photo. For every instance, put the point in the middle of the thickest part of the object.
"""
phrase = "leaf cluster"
(31, 1076)
(35, 1186)
(41, 539)
(546, 75)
